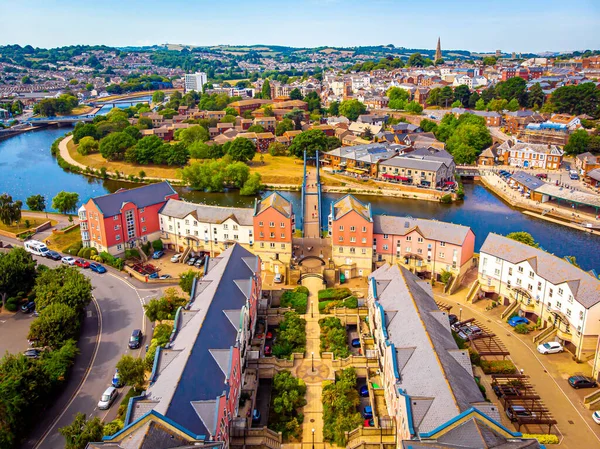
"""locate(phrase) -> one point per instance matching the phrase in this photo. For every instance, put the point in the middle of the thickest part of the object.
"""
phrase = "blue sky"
(509, 25)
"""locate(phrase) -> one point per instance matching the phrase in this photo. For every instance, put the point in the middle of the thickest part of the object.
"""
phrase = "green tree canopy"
(82, 431)
(334, 108)
(88, 145)
(10, 211)
(113, 146)
(295, 94)
(578, 142)
(266, 90)
(17, 272)
(577, 99)
(311, 141)
(82, 130)
(36, 203)
(523, 237)
(65, 202)
(351, 109)
(55, 324)
(158, 96)
(192, 134)
(241, 150)
(536, 96)
(252, 186)
(285, 125)
(63, 285)
(513, 88)
(131, 371)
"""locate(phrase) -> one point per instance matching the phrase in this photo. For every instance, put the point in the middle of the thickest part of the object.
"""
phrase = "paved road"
(110, 318)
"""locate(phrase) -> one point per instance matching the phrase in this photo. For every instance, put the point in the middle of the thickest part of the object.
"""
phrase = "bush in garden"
(522, 328)
(334, 294)
(498, 367)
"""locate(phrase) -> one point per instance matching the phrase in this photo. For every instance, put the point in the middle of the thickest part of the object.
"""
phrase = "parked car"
(176, 257)
(268, 350)
(28, 308)
(364, 391)
(135, 341)
(278, 278)
(191, 261)
(165, 276)
(505, 390)
(514, 412)
(582, 382)
(542, 176)
(367, 412)
(356, 342)
(158, 254)
(596, 417)
(96, 267)
(574, 176)
(53, 255)
(32, 353)
(255, 416)
(369, 423)
(108, 397)
(116, 380)
(469, 329)
(199, 262)
(516, 320)
(453, 319)
(68, 260)
(82, 263)
(550, 347)
(153, 275)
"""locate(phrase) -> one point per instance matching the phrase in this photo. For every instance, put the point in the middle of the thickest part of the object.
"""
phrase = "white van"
(37, 248)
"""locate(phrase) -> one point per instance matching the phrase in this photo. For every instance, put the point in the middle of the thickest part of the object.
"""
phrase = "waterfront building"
(418, 169)
(545, 289)
(124, 219)
(197, 379)
(194, 82)
(531, 155)
(359, 159)
(586, 162)
(413, 340)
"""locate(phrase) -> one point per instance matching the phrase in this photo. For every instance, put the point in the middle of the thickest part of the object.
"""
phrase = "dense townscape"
(226, 277)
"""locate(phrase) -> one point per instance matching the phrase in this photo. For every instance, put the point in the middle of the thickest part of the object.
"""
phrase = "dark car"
(82, 263)
(32, 353)
(542, 176)
(97, 268)
(582, 382)
(255, 416)
(364, 391)
(505, 391)
(453, 319)
(135, 341)
(367, 412)
(28, 308)
(53, 255)
(356, 342)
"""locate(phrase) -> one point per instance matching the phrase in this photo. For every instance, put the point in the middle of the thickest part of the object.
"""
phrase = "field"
(81, 110)
(61, 242)
(33, 223)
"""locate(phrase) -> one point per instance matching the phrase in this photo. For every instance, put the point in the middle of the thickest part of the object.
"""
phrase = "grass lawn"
(81, 110)
(60, 242)
(278, 169)
(33, 222)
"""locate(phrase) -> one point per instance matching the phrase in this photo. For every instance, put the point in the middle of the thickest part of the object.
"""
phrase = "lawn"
(33, 222)
(61, 242)
(81, 110)
(278, 169)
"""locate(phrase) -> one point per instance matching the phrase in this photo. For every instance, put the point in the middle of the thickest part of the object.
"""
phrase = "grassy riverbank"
(34, 222)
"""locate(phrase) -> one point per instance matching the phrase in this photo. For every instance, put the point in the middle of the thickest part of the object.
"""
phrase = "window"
(558, 304)
(116, 227)
(352, 239)
(115, 218)
(518, 281)
(520, 269)
(272, 235)
(187, 222)
(570, 300)
(260, 223)
(364, 229)
(187, 231)
(272, 245)
(352, 250)
(560, 292)
(119, 247)
(364, 240)
(419, 251)
(282, 224)
(497, 272)
(442, 243)
(568, 312)
(385, 247)
(408, 249)
(143, 228)
(195, 223)
(531, 274)
(529, 287)
(262, 234)
(510, 271)
(130, 224)
(118, 237)
(283, 235)
(341, 228)
(581, 315)
(364, 251)
(385, 236)
(195, 232)
(142, 210)
(484, 261)
(408, 238)
(539, 286)
(225, 226)
(235, 237)
(420, 239)
(341, 249)
(170, 228)
(442, 255)
(283, 246)
(262, 244)
(271, 224)
(498, 260)
(550, 292)
(352, 229)
(225, 236)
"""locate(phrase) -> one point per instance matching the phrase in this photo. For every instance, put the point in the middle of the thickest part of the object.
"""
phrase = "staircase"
(592, 401)
(185, 254)
(143, 255)
(510, 309)
(545, 334)
(473, 290)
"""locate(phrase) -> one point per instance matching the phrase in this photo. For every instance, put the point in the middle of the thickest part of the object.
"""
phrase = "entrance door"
(276, 268)
(347, 274)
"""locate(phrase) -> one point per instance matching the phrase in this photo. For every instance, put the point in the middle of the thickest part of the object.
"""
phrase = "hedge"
(334, 294)
(351, 303)
(498, 367)
(111, 260)
(297, 300)
(543, 438)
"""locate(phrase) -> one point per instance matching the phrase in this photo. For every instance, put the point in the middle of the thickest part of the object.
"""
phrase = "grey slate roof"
(370, 153)
(585, 288)
(527, 179)
(414, 163)
(430, 229)
(144, 196)
(205, 213)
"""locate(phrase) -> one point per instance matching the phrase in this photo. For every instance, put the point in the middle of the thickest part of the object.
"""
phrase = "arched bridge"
(311, 275)
(311, 258)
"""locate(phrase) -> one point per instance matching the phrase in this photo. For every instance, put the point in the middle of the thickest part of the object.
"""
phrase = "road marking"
(87, 373)
(546, 369)
(139, 298)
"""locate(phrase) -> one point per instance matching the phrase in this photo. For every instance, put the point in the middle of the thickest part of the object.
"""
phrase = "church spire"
(438, 50)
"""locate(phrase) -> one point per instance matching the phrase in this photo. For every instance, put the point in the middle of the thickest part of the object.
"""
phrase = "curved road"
(114, 313)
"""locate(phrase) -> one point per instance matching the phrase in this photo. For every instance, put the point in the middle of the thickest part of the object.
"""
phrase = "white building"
(195, 81)
(471, 82)
(545, 289)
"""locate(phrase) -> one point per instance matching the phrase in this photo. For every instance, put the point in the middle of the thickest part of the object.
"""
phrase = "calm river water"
(27, 168)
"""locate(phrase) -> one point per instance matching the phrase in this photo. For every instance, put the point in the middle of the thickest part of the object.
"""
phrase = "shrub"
(481, 387)
(446, 199)
(74, 249)
(340, 400)
(522, 328)
(445, 276)
(11, 307)
(111, 260)
(498, 367)
(301, 289)
(334, 294)
(112, 427)
(333, 337)
(459, 341)
(157, 245)
(132, 254)
(295, 299)
(547, 438)
(291, 337)
(475, 357)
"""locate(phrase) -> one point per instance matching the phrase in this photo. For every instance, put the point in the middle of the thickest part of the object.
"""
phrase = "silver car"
(108, 397)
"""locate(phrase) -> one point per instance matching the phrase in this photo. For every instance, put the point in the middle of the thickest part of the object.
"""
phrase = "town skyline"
(332, 26)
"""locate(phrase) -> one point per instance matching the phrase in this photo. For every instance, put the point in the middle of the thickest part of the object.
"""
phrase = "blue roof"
(148, 195)
(202, 378)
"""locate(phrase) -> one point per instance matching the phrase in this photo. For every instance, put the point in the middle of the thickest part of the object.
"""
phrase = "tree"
(578, 142)
(473, 99)
(427, 125)
(133, 132)
(310, 141)
(256, 129)
(17, 273)
(334, 108)
(144, 123)
(145, 151)
(113, 146)
(414, 108)
(158, 96)
(351, 109)
(36, 203)
(523, 237)
(513, 105)
(489, 60)
(192, 134)
(462, 94)
(278, 149)
(266, 90)
(480, 105)
(464, 154)
(296, 116)
(396, 93)
(252, 186)
(397, 104)
(295, 94)
(65, 202)
(513, 88)
(131, 371)
(285, 125)
(536, 96)
(497, 105)
(457, 104)
(81, 432)
(55, 324)
(242, 150)
(313, 101)
(577, 99)
(63, 285)
(476, 136)
(10, 211)
(186, 280)
(82, 130)
(416, 60)
(88, 145)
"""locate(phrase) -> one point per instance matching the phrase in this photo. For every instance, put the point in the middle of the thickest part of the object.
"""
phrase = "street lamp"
(460, 314)
(312, 361)
(313, 438)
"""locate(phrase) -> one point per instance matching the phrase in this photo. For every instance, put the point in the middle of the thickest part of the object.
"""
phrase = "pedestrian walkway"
(311, 205)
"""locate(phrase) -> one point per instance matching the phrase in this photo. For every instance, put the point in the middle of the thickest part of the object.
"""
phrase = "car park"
(32, 353)
(28, 308)
(581, 382)
(469, 330)
(191, 261)
(158, 254)
(68, 260)
(596, 417)
(356, 342)
(367, 412)
(514, 412)
(176, 257)
(108, 397)
(551, 347)
(135, 341)
(97, 268)
(53, 255)
(364, 391)
(82, 263)
(516, 320)
(199, 262)
(278, 278)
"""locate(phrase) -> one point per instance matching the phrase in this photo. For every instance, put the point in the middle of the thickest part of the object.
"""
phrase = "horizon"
(519, 27)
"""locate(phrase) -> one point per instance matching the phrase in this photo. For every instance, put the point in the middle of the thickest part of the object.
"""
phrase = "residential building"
(359, 159)
(586, 162)
(194, 82)
(242, 106)
(419, 170)
(425, 247)
(196, 381)
(531, 155)
(274, 225)
(351, 231)
(413, 340)
(124, 219)
(546, 289)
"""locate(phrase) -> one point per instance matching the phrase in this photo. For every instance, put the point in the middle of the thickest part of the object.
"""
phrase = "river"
(28, 168)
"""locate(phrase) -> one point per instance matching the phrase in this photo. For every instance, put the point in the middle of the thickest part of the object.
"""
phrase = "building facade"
(194, 82)
(531, 155)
